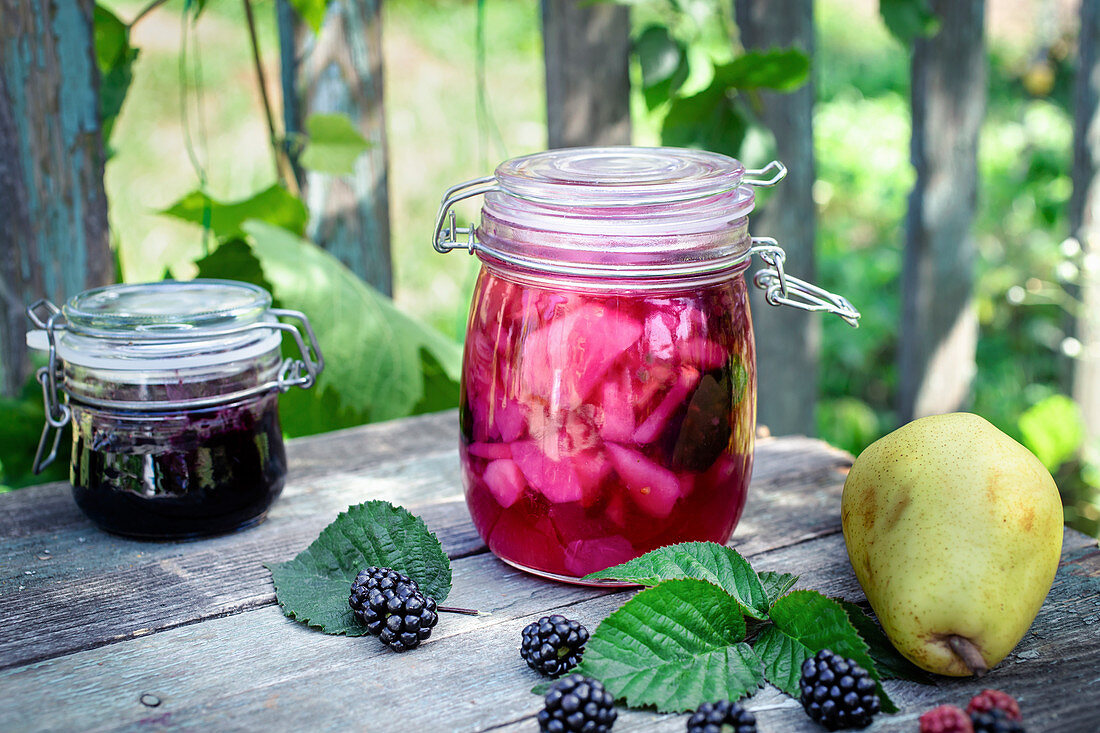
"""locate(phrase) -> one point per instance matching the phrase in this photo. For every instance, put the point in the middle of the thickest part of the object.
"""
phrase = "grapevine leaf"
(709, 120)
(674, 646)
(380, 363)
(783, 70)
(234, 260)
(817, 623)
(312, 12)
(115, 58)
(908, 20)
(889, 662)
(776, 584)
(334, 144)
(708, 561)
(664, 64)
(274, 205)
(313, 588)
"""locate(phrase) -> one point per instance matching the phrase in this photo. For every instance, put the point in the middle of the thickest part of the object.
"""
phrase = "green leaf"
(709, 120)
(888, 661)
(234, 260)
(375, 355)
(333, 144)
(194, 7)
(783, 657)
(1054, 430)
(21, 420)
(115, 58)
(817, 623)
(674, 646)
(274, 205)
(708, 561)
(311, 11)
(664, 64)
(908, 20)
(782, 70)
(776, 584)
(313, 588)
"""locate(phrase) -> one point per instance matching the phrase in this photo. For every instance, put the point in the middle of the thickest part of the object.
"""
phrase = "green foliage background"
(454, 109)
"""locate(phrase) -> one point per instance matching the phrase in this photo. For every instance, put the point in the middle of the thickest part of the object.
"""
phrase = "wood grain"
(128, 588)
(103, 621)
(53, 208)
(256, 665)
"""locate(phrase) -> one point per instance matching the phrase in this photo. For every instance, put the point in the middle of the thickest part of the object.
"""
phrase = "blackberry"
(986, 700)
(721, 717)
(995, 720)
(577, 704)
(392, 607)
(837, 692)
(367, 580)
(553, 645)
(945, 719)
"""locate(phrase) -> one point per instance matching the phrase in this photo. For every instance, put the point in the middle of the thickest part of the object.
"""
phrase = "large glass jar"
(608, 394)
(609, 386)
(172, 390)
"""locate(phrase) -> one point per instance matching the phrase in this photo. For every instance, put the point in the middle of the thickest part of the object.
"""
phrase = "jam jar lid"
(165, 325)
(621, 212)
(619, 176)
(165, 346)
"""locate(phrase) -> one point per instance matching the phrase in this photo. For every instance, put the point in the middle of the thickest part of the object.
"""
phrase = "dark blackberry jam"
(172, 390)
(178, 474)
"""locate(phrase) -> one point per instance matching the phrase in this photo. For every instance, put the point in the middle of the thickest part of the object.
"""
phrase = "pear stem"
(968, 653)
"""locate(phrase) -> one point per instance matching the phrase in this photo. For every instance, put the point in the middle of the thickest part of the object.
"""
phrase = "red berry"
(987, 700)
(945, 719)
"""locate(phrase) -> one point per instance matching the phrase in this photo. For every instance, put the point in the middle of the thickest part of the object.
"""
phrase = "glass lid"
(619, 176)
(159, 309)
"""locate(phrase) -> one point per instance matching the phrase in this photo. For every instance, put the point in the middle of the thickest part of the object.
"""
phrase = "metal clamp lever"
(57, 412)
(779, 172)
(783, 289)
(444, 239)
(301, 372)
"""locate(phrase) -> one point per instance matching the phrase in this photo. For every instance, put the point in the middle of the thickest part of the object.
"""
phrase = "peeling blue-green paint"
(68, 118)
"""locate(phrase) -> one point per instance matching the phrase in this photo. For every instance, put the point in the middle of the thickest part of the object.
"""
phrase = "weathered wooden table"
(100, 632)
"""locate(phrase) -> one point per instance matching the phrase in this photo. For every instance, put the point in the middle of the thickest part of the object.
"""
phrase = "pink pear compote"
(599, 425)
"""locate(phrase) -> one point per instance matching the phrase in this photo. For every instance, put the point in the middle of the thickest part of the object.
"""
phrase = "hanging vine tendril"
(187, 78)
(486, 123)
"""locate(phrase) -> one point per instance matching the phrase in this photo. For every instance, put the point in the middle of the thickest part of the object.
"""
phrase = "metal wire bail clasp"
(446, 229)
(783, 289)
(301, 372)
(775, 170)
(57, 412)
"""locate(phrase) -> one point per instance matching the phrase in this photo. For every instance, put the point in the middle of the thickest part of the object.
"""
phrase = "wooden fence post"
(339, 70)
(53, 212)
(587, 53)
(787, 340)
(939, 325)
(1085, 216)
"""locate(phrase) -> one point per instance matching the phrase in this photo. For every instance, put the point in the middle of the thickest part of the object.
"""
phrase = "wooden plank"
(1085, 221)
(587, 52)
(787, 339)
(153, 586)
(939, 325)
(339, 71)
(256, 668)
(53, 208)
(79, 588)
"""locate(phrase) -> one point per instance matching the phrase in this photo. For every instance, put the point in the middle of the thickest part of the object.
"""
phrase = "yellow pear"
(954, 531)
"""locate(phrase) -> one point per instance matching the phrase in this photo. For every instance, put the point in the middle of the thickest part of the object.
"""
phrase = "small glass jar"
(172, 390)
(608, 400)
